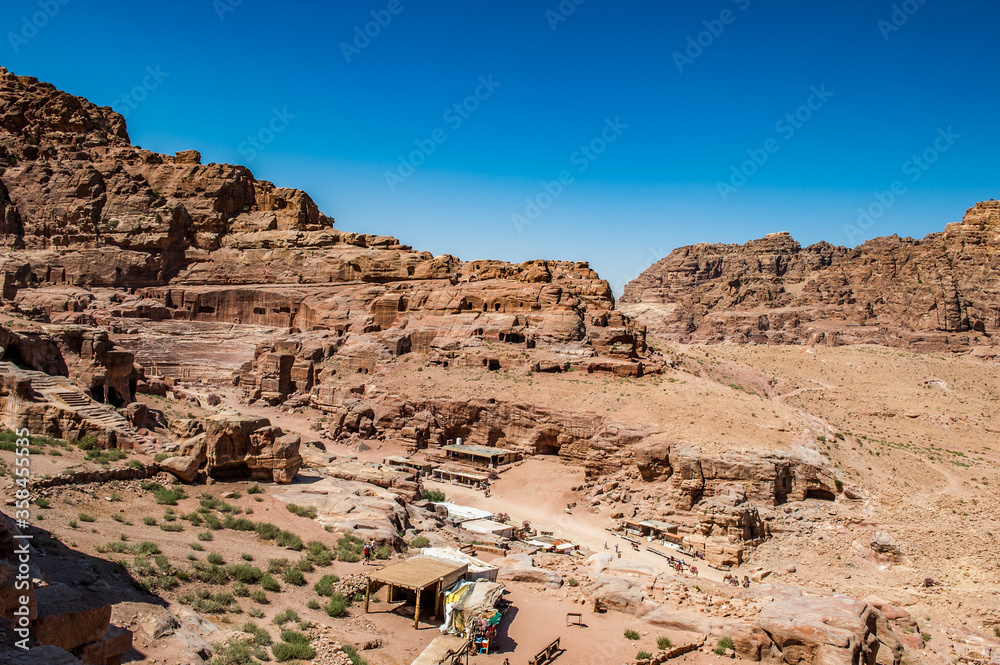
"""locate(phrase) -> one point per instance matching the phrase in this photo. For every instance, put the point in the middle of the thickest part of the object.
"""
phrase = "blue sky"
(602, 131)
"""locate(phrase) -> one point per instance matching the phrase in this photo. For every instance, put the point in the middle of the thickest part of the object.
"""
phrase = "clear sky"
(597, 130)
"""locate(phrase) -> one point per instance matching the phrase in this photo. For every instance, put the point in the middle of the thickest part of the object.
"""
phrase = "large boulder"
(240, 445)
(521, 568)
(182, 466)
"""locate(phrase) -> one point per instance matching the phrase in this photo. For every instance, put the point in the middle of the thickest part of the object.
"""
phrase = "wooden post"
(416, 611)
(368, 592)
(437, 598)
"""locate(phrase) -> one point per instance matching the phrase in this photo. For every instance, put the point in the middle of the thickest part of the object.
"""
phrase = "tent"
(470, 606)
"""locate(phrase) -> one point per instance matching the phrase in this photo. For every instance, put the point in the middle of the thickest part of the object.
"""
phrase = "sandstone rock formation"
(938, 293)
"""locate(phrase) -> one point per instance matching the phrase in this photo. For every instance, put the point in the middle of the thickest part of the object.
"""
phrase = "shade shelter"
(418, 575)
(479, 455)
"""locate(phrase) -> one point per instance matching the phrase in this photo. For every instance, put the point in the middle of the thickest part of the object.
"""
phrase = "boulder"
(521, 568)
(182, 466)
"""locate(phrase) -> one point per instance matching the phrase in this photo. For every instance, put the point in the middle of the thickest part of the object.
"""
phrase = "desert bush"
(663, 643)
(286, 616)
(268, 583)
(725, 643)
(631, 634)
(259, 635)
(420, 542)
(337, 606)
(215, 558)
(171, 527)
(259, 597)
(245, 573)
(302, 511)
(293, 576)
(324, 587)
(435, 496)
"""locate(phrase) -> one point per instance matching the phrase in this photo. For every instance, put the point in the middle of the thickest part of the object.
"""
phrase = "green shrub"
(244, 573)
(146, 548)
(352, 653)
(255, 489)
(305, 565)
(293, 576)
(72, 524)
(171, 527)
(84, 517)
(926, 637)
(163, 495)
(238, 523)
(149, 521)
(631, 634)
(259, 635)
(216, 559)
(324, 587)
(267, 531)
(337, 606)
(288, 540)
(42, 502)
(268, 583)
(241, 590)
(205, 535)
(197, 547)
(302, 511)
(643, 655)
(134, 464)
(435, 496)
(572, 582)
(382, 552)
(258, 597)
(663, 643)
(285, 617)
(313, 604)
(420, 542)
(275, 566)
(246, 557)
(213, 522)
(725, 642)
(284, 651)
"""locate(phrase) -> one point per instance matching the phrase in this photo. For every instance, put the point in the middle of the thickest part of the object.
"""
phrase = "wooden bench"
(547, 654)
(574, 619)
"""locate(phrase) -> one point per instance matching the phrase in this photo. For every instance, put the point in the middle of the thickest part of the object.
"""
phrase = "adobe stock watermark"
(581, 158)
(899, 17)
(562, 13)
(223, 7)
(786, 126)
(454, 116)
(714, 28)
(257, 143)
(914, 168)
(128, 101)
(363, 35)
(33, 23)
(22, 578)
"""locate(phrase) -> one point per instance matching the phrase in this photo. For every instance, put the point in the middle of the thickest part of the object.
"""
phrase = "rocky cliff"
(97, 230)
(940, 292)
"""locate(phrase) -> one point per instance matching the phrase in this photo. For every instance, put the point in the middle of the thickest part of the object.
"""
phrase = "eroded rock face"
(100, 231)
(938, 293)
(239, 445)
(727, 525)
(768, 477)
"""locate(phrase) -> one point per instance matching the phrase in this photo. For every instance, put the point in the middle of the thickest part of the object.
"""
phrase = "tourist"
(694, 571)
(368, 554)
(746, 582)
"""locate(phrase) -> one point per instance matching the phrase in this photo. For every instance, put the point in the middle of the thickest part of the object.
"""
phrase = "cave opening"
(821, 494)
